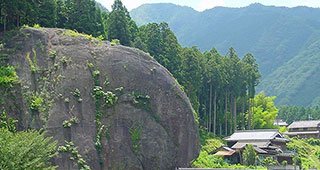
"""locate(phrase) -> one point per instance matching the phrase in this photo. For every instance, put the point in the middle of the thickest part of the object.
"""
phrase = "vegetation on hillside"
(221, 88)
(295, 113)
(308, 152)
(207, 159)
(284, 41)
(26, 149)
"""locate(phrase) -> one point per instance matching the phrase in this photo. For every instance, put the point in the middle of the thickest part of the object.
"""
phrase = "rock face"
(120, 108)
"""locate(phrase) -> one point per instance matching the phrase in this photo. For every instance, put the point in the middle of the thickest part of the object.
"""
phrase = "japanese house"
(266, 143)
(304, 129)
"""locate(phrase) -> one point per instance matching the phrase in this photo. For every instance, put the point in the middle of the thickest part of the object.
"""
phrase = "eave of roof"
(225, 153)
(304, 124)
(302, 133)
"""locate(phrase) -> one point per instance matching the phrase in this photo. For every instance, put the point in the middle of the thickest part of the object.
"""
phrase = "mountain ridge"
(274, 35)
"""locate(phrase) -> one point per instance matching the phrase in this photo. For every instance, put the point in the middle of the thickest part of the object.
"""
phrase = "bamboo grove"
(221, 88)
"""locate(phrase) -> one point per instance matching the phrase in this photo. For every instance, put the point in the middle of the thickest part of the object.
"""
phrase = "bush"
(7, 122)
(212, 145)
(269, 161)
(249, 155)
(25, 150)
(115, 42)
(8, 76)
(283, 129)
(308, 155)
(208, 161)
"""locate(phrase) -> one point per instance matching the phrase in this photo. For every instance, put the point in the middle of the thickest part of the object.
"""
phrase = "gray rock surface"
(137, 133)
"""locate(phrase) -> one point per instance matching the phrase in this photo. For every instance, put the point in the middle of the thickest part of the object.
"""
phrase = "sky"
(201, 5)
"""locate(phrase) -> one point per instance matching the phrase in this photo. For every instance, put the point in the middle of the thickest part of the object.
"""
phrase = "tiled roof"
(262, 134)
(242, 144)
(304, 124)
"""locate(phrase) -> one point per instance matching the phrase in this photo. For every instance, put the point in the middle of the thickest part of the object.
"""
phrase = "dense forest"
(295, 113)
(283, 40)
(220, 88)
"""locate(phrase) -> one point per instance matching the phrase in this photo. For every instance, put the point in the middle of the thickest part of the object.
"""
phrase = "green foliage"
(109, 97)
(249, 155)
(282, 76)
(8, 76)
(65, 60)
(99, 134)
(77, 34)
(53, 54)
(141, 101)
(7, 122)
(308, 152)
(26, 150)
(206, 160)
(76, 94)
(264, 112)
(212, 145)
(75, 156)
(36, 26)
(284, 163)
(115, 42)
(33, 62)
(68, 123)
(16, 13)
(283, 129)
(269, 161)
(135, 132)
(36, 102)
(120, 26)
(66, 100)
(294, 113)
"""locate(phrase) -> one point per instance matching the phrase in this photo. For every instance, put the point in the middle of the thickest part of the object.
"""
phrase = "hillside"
(278, 37)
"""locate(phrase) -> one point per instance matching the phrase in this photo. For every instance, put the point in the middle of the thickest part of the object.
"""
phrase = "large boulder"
(117, 105)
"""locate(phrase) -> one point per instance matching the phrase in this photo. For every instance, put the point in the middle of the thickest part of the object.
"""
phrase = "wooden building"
(304, 129)
(266, 143)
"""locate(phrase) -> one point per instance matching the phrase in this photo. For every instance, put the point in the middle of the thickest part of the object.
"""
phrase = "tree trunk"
(210, 108)
(226, 113)
(243, 109)
(18, 21)
(252, 114)
(249, 114)
(5, 23)
(234, 113)
(215, 112)
(231, 115)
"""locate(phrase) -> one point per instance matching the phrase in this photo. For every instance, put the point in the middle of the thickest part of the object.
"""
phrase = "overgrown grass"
(308, 151)
(77, 34)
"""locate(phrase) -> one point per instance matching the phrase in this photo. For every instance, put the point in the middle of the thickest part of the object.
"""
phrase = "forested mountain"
(283, 40)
